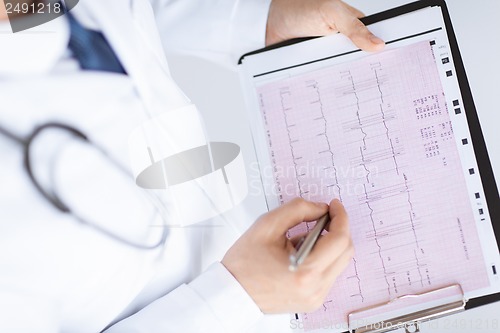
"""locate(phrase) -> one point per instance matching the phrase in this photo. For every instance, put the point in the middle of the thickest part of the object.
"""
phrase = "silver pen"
(306, 243)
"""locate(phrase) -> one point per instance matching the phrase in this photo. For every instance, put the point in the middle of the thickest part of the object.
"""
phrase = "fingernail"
(321, 204)
(375, 40)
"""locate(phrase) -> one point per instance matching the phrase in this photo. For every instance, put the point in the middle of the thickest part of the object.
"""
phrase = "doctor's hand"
(302, 18)
(259, 260)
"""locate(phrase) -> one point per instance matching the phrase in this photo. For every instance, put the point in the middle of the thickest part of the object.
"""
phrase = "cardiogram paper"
(376, 133)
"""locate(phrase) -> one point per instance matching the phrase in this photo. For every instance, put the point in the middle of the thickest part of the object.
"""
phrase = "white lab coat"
(59, 276)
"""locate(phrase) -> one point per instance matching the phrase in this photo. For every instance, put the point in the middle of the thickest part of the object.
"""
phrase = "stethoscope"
(56, 201)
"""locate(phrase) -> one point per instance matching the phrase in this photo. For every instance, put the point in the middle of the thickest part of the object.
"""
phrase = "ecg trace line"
(378, 85)
(383, 117)
(350, 78)
(394, 157)
(376, 241)
(411, 210)
(364, 165)
(358, 279)
(325, 308)
(325, 123)
(291, 142)
(287, 125)
(418, 268)
(383, 121)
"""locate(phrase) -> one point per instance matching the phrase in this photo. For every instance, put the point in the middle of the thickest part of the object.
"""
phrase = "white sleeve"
(213, 302)
(221, 30)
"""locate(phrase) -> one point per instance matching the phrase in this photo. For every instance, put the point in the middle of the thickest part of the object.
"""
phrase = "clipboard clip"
(425, 306)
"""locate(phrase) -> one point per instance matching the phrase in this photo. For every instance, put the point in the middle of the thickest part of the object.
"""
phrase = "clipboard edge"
(414, 318)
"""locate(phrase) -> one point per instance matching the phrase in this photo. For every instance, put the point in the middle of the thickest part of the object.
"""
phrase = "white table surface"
(216, 91)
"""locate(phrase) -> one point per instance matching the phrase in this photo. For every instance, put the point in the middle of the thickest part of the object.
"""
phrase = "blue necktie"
(91, 49)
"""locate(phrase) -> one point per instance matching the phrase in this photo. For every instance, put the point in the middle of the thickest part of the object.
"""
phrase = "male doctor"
(75, 242)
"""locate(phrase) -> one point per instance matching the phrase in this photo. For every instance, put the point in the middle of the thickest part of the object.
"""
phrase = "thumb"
(360, 35)
(346, 21)
(292, 213)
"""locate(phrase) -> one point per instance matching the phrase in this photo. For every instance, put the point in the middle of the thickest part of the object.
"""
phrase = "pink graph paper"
(377, 134)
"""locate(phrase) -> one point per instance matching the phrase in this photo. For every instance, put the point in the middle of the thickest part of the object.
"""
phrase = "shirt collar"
(34, 51)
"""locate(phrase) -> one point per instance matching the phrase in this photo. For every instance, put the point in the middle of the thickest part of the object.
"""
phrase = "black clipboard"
(482, 158)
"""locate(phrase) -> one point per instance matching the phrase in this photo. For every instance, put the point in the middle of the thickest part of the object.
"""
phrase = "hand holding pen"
(306, 243)
(260, 259)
